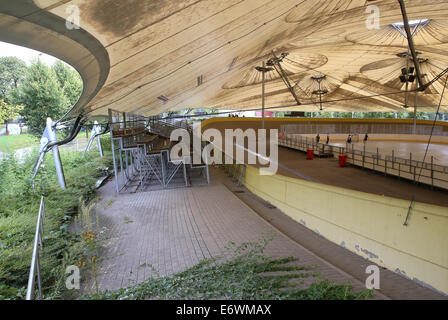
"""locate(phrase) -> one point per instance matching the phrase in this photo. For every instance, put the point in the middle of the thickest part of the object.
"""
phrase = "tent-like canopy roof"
(155, 56)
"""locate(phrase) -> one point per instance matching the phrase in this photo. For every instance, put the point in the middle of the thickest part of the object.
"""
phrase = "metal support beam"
(411, 45)
(51, 132)
(100, 148)
(406, 99)
(49, 142)
(262, 95)
(414, 128)
(278, 67)
(263, 69)
(96, 133)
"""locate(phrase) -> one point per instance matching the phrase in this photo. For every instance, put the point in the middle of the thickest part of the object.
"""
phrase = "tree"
(8, 112)
(12, 73)
(69, 81)
(42, 96)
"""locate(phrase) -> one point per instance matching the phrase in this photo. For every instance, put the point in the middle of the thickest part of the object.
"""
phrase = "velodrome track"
(367, 212)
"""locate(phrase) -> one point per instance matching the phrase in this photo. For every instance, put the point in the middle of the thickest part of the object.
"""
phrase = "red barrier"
(309, 154)
(342, 160)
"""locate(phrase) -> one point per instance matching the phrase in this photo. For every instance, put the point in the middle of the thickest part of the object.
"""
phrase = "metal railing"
(417, 171)
(304, 143)
(236, 171)
(314, 127)
(35, 263)
(165, 127)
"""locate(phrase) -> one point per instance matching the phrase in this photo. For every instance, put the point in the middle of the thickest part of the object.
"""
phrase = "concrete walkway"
(172, 230)
(163, 232)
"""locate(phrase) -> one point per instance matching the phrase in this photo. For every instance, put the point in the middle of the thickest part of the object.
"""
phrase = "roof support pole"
(112, 142)
(51, 131)
(49, 142)
(96, 133)
(262, 95)
(406, 99)
(100, 148)
(414, 128)
(282, 74)
(263, 69)
(411, 45)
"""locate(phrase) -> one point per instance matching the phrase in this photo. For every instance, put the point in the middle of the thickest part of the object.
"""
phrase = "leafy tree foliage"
(69, 81)
(43, 91)
(12, 72)
(36, 91)
(42, 96)
(8, 111)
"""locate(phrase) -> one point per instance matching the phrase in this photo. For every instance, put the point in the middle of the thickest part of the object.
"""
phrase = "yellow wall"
(366, 224)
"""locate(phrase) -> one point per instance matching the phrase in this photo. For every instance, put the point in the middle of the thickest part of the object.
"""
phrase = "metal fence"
(362, 128)
(236, 171)
(35, 264)
(414, 170)
(165, 127)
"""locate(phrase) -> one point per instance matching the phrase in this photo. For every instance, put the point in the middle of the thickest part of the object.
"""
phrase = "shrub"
(19, 206)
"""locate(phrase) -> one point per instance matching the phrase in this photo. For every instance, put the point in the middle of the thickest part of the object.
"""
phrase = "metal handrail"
(165, 128)
(361, 128)
(35, 263)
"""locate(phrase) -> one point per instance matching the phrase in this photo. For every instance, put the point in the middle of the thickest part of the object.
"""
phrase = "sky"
(27, 55)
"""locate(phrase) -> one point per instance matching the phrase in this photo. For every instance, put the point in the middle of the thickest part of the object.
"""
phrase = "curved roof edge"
(25, 24)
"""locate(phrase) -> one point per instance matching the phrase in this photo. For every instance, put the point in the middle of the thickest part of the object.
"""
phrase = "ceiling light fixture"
(320, 91)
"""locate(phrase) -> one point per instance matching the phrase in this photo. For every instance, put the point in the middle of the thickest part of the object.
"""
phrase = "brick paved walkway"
(171, 230)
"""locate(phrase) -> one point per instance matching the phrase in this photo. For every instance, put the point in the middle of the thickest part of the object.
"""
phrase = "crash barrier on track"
(362, 128)
(427, 173)
(305, 143)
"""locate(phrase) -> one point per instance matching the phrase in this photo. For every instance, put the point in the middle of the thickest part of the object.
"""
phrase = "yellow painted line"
(406, 140)
(395, 140)
(325, 120)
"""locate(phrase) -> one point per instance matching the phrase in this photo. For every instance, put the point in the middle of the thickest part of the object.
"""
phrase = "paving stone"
(175, 229)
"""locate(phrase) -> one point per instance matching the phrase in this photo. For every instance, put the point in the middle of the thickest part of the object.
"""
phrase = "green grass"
(246, 274)
(15, 142)
(19, 205)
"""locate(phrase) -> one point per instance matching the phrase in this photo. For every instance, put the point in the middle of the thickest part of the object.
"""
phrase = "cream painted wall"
(366, 224)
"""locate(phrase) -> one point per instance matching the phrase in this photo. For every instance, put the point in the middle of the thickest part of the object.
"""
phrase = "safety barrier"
(417, 171)
(363, 127)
